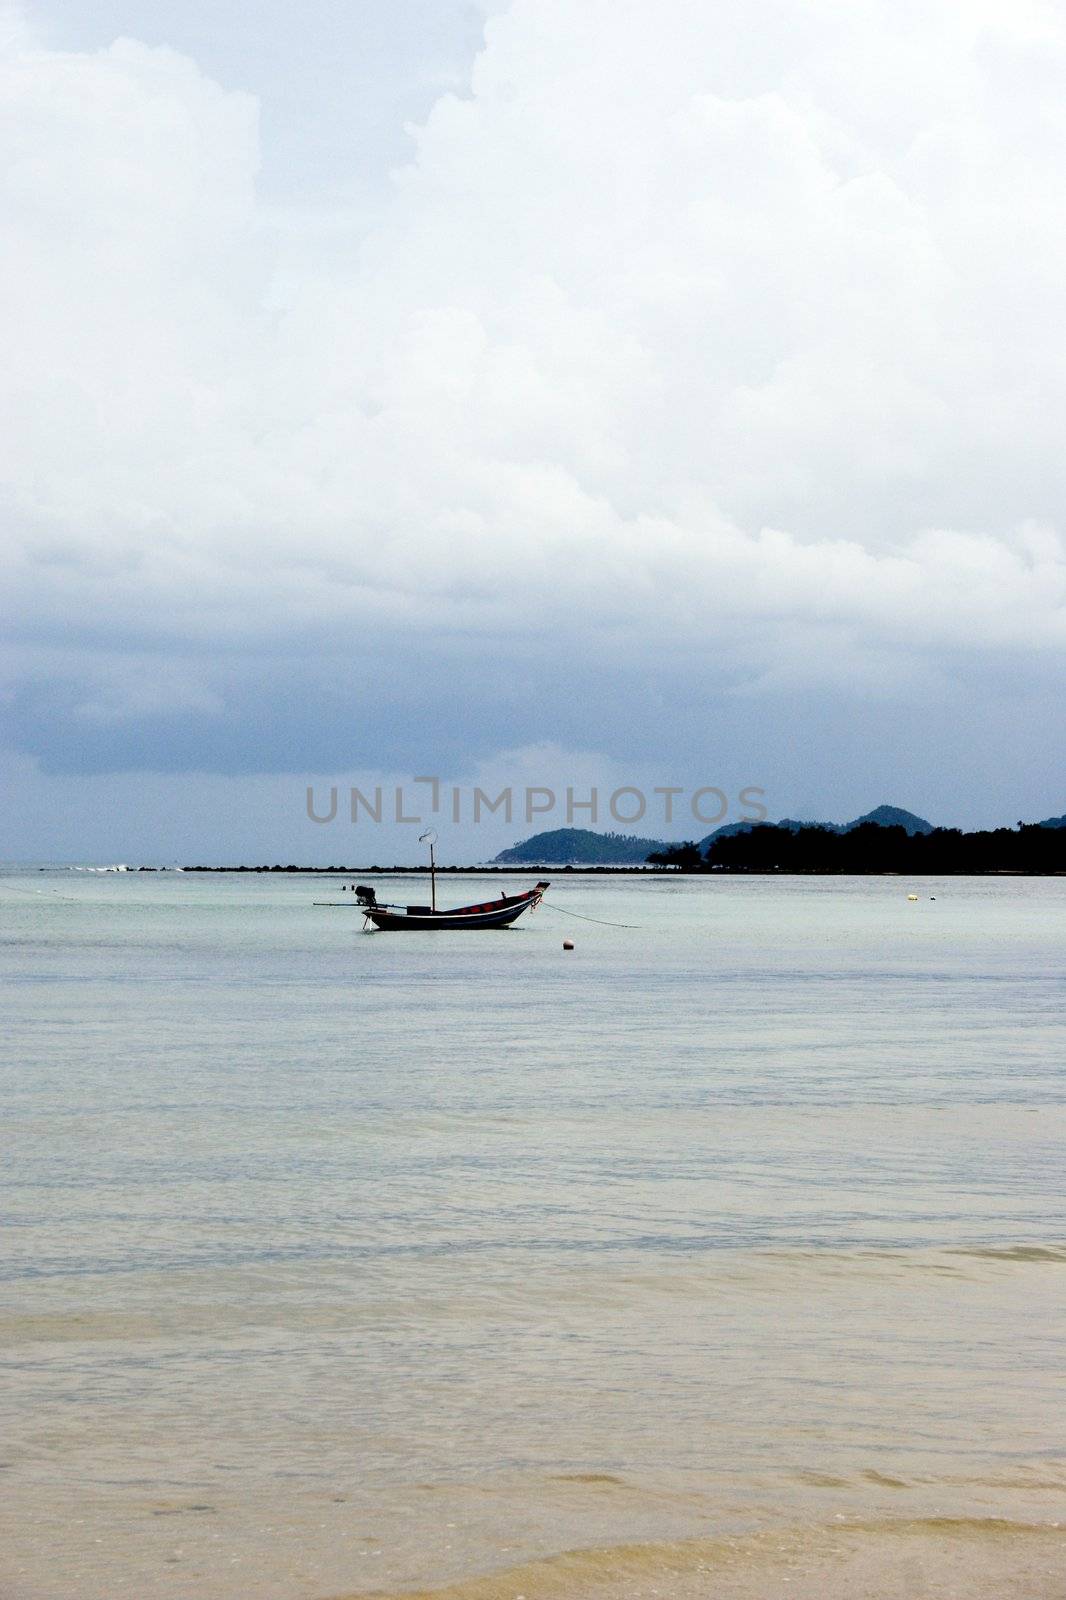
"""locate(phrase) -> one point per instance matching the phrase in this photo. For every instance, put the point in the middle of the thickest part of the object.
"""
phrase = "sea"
(347, 1263)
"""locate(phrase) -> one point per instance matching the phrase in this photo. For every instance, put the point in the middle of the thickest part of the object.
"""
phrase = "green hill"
(884, 816)
(891, 817)
(573, 847)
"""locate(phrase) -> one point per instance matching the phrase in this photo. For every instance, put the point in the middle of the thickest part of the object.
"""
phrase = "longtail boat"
(489, 914)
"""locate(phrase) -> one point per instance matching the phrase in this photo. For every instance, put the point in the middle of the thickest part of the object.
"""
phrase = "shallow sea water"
(337, 1262)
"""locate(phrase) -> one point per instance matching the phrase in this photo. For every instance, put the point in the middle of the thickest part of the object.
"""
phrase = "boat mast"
(431, 839)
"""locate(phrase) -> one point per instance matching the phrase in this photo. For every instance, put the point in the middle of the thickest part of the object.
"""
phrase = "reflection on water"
(337, 1262)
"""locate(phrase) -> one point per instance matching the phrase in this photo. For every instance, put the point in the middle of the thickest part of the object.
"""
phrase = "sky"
(558, 392)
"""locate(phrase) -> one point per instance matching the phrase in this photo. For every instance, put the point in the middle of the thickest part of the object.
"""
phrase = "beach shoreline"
(934, 1558)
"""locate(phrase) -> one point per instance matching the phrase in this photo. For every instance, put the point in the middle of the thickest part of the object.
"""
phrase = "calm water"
(337, 1262)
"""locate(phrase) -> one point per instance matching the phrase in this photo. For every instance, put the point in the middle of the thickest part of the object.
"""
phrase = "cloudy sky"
(658, 392)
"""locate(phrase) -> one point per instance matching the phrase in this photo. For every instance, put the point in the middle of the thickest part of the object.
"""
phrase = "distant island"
(579, 847)
(869, 847)
(887, 839)
(573, 847)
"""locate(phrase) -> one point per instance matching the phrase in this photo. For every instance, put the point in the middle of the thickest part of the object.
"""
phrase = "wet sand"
(928, 1559)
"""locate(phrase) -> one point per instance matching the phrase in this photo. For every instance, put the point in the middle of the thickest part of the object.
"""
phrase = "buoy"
(568, 944)
(912, 897)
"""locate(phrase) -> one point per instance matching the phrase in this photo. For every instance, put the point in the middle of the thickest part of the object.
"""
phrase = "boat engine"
(365, 895)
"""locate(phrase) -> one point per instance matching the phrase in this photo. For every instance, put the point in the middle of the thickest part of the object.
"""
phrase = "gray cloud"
(693, 379)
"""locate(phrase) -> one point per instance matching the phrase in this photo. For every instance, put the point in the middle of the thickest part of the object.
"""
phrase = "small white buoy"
(568, 944)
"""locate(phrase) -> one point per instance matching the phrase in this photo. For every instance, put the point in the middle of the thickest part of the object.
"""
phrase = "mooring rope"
(582, 918)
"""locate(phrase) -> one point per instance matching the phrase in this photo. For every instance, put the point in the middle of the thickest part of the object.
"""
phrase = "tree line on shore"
(870, 847)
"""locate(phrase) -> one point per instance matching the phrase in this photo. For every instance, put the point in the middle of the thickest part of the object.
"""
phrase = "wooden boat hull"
(492, 914)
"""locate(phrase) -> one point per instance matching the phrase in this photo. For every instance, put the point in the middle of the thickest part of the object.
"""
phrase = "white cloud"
(687, 319)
